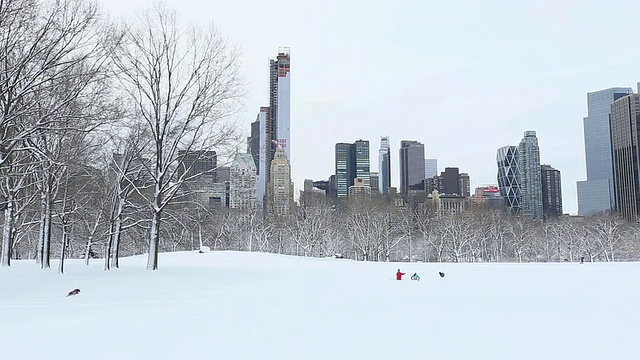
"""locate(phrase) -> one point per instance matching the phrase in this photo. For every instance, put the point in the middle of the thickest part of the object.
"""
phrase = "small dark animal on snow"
(73, 292)
(441, 273)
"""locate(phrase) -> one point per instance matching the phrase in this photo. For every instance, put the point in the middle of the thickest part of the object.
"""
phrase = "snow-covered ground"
(231, 305)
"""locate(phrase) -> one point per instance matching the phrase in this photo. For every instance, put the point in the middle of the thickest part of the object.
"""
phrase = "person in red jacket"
(399, 275)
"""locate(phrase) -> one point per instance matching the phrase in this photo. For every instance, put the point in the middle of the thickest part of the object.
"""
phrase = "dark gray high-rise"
(551, 191)
(625, 140)
(597, 194)
(411, 166)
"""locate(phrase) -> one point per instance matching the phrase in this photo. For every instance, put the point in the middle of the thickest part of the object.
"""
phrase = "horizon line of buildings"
(526, 186)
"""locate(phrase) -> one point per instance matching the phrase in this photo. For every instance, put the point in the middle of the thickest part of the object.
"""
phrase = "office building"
(625, 139)
(507, 159)
(430, 168)
(411, 167)
(596, 193)
(352, 161)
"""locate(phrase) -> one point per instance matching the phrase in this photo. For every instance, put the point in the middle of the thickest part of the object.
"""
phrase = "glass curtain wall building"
(596, 193)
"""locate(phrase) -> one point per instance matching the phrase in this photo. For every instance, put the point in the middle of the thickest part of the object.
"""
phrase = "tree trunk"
(7, 233)
(46, 235)
(63, 249)
(107, 250)
(87, 251)
(115, 247)
(40, 246)
(154, 239)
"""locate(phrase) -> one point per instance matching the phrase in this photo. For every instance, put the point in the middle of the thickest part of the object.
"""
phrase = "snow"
(235, 305)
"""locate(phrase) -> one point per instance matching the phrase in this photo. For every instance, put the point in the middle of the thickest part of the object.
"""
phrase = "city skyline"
(502, 68)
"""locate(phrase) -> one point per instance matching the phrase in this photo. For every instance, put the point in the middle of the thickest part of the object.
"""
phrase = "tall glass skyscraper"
(411, 166)
(352, 161)
(597, 193)
(430, 168)
(384, 165)
(530, 178)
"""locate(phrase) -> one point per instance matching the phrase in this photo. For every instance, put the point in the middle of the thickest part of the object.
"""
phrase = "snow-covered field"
(231, 305)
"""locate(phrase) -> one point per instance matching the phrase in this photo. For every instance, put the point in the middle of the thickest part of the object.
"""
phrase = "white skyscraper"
(281, 99)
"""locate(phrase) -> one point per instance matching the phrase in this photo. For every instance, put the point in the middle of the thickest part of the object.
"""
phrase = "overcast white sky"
(464, 77)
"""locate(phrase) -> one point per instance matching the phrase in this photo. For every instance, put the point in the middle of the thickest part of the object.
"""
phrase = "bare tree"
(51, 55)
(185, 85)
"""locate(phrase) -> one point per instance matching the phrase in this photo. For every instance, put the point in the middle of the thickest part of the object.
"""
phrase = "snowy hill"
(232, 305)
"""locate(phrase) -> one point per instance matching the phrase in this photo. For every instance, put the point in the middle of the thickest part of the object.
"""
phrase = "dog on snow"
(73, 292)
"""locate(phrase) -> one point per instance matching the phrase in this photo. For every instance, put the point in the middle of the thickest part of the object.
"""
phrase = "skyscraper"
(451, 181)
(530, 180)
(280, 185)
(384, 165)
(363, 167)
(345, 168)
(242, 182)
(597, 193)
(430, 168)
(264, 160)
(253, 142)
(280, 100)
(509, 178)
(465, 185)
(551, 192)
(273, 122)
(625, 139)
(352, 161)
(411, 166)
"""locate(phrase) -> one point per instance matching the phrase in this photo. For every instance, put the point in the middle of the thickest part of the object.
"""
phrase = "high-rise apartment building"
(272, 128)
(280, 197)
(509, 178)
(280, 100)
(625, 140)
(411, 166)
(242, 183)
(265, 147)
(597, 193)
(465, 185)
(551, 191)
(530, 180)
(384, 165)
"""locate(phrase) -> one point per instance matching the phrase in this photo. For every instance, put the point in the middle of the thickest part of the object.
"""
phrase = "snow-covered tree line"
(95, 117)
